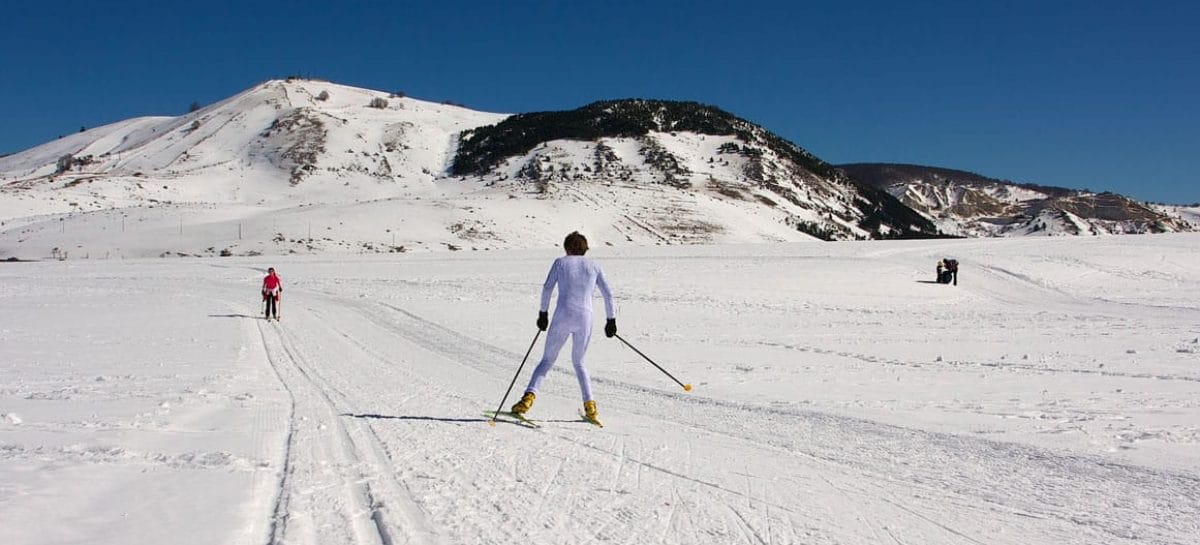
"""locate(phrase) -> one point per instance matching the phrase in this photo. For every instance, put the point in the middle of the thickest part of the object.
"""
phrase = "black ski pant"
(271, 308)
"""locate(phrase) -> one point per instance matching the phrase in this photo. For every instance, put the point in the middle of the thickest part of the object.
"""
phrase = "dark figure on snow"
(947, 271)
(272, 287)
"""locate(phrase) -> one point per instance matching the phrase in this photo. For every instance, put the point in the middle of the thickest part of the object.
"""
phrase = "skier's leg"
(579, 346)
(556, 337)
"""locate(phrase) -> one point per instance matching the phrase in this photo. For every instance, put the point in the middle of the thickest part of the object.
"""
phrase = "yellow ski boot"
(524, 404)
(590, 414)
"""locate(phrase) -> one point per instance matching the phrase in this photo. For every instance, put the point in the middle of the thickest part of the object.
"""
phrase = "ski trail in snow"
(278, 526)
(310, 495)
(365, 509)
(663, 470)
(982, 365)
(876, 441)
(373, 347)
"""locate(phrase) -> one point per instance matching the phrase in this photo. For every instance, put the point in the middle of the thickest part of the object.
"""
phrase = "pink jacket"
(272, 284)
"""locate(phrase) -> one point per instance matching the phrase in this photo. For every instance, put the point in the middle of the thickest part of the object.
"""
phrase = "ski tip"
(687, 387)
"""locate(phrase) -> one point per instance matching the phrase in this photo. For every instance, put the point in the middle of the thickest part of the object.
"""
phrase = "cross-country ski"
(512, 417)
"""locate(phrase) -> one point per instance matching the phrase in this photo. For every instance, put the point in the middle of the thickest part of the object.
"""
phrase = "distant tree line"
(484, 148)
(879, 207)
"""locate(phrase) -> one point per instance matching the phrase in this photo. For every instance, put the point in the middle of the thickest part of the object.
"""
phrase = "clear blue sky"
(1097, 94)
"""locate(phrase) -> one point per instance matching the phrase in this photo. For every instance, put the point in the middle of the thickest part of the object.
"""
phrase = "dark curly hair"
(575, 244)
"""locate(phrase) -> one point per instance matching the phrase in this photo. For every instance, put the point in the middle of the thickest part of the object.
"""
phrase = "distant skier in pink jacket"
(272, 287)
(576, 278)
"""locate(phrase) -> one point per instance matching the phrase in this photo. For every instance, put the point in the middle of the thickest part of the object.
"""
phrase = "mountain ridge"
(771, 168)
(311, 166)
(968, 203)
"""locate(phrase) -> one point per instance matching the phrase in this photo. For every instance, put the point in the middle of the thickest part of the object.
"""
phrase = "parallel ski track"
(944, 464)
(278, 524)
(393, 517)
(877, 458)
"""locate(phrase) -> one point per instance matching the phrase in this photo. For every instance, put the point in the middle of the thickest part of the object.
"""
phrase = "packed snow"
(840, 396)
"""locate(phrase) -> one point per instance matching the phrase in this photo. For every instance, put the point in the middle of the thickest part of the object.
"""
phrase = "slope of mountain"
(306, 166)
(692, 147)
(303, 166)
(281, 141)
(965, 203)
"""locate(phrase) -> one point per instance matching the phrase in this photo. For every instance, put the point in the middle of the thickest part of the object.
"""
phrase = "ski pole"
(492, 422)
(686, 387)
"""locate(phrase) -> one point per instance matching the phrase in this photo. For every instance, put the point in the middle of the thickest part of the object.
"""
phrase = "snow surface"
(841, 396)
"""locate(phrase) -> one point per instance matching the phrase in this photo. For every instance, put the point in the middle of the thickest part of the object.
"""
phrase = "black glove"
(610, 327)
(543, 320)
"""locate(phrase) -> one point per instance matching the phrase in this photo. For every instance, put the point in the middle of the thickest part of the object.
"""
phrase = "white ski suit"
(577, 278)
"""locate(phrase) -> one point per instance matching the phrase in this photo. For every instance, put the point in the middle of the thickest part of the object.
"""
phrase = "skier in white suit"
(577, 278)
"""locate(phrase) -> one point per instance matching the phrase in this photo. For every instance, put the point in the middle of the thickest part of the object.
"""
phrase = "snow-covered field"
(1053, 396)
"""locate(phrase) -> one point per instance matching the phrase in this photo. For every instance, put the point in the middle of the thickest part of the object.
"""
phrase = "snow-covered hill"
(303, 166)
(329, 142)
(695, 148)
(967, 204)
(257, 173)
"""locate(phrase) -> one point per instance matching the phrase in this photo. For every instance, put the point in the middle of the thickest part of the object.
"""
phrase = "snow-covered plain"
(1053, 396)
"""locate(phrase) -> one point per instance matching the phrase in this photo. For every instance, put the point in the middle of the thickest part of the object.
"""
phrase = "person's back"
(577, 278)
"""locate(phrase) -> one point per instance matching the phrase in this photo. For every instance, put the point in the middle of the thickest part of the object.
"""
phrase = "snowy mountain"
(965, 203)
(278, 168)
(327, 139)
(697, 149)
(307, 166)
(303, 166)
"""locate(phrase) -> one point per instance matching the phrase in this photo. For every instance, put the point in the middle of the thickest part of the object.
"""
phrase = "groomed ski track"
(680, 469)
(375, 436)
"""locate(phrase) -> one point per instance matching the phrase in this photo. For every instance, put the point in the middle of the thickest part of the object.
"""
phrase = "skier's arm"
(548, 287)
(610, 311)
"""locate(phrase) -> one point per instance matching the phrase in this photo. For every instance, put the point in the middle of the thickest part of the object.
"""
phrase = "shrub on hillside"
(64, 163)
(378, 102)
(323, 96)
